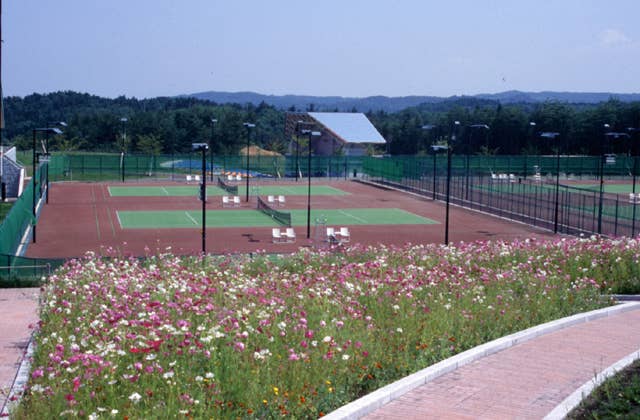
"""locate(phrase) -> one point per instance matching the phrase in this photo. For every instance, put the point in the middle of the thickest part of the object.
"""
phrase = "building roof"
(349, 126)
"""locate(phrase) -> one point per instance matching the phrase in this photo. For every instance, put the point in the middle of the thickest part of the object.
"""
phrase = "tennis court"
(213, 190)
(256, 218)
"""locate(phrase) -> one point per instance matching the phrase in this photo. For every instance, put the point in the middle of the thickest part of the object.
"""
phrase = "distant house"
(344, 133)
(11, 172)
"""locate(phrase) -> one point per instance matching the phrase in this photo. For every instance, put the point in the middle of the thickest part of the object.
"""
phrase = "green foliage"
(175, 123)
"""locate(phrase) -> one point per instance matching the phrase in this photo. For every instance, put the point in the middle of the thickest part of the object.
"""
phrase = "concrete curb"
(382, 396)
(20, 380)
(573, 400)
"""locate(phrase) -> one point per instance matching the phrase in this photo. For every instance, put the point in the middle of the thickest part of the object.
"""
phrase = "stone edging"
(573, 400)
(382, 396)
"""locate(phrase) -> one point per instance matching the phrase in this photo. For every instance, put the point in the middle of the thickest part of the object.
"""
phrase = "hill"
(394, 104)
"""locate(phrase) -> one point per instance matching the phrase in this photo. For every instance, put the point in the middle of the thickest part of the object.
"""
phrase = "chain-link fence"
(137, 167)
(525, 189)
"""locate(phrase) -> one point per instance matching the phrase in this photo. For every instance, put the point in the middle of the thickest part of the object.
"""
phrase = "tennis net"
(282, 217)
(231, 189)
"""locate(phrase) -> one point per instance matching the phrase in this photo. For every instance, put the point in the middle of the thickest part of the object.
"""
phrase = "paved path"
(525, 381)
(18, 310)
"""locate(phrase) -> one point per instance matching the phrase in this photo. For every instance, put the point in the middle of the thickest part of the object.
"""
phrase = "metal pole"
(434, 175)
(309, 189)
(446, 223)
(213, 122)
(204, 200)
(633, 190)
(601, 193)
(247, 174)
(35, 180)
(555, 217)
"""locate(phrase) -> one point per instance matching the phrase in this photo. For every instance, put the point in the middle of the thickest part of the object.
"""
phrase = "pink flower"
(37, 373)
(239, 346)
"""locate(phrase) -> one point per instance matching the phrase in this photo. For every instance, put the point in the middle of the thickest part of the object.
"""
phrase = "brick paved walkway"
(18, 309)
(525, 381)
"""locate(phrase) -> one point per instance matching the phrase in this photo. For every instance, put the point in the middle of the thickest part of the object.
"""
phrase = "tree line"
(171, 125)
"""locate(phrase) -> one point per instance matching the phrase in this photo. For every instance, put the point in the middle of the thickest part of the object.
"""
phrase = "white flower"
(135, 397)
(93, 416)
(199, 378)
(208, 375)
(327, 339)
(345, 357)
(400, 330)
(168, 375)
(114, 412)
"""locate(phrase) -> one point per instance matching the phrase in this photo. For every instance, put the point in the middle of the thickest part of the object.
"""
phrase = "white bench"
(281, 200)
(634, 198)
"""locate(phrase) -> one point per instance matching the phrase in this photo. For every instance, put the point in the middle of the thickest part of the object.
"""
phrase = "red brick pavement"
(525, 381)
(18, 310)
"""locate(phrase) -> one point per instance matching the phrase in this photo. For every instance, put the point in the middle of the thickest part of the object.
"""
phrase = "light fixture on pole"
(310, 135)
(248, 126)
(552, 135)
(429, 127)
(451, 142)
(608, 135)
(633, 151)
(123, 120)
(213, 123)
(532, 129)
(468, 146)
(35, 178)
(48, 152)
(203, 147)
(299, 123)
(435, 148)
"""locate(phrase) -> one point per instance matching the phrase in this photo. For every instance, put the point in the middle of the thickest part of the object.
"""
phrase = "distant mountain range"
(394, 104)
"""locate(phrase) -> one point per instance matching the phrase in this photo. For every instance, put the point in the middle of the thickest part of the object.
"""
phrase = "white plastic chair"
(236, 201)
(225, 201)
(271, 199)
(238, 177)
(281, 200)
(196, 178)
(291, 235)
(276, 236)
(345, 236)
(189, 178)
(230, 178)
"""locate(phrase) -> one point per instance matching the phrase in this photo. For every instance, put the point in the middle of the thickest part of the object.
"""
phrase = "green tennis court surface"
(610, 188)
(255, 218)
(192, 190)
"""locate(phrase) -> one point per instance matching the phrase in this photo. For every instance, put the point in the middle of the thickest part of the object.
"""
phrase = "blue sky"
(148, 48)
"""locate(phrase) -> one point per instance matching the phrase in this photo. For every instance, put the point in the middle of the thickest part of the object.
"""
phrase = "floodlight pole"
(452, 139)
(297, 131)
(203, 197)
(468, 146)
(633, 180)
(553, 136)
(123, 120)
(249, 126)
(601, 170)
(310, 134)
(213, 123)
(35, 179)
(429, 127)
(51, 124)
(532, 126)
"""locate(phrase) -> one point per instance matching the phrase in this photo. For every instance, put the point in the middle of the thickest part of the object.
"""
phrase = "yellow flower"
(275, 390)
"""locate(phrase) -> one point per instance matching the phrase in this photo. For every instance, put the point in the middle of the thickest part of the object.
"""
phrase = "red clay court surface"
(82, 217)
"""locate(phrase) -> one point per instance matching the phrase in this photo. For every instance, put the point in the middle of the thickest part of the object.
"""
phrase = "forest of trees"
(170, 125)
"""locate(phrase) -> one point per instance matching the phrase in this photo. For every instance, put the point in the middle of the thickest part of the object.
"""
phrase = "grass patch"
(617, 397)
(296, 336)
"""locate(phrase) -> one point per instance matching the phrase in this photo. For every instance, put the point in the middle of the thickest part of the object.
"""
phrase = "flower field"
(294, 336)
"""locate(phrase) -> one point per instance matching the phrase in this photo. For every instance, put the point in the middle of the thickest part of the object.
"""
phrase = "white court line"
(119, 221)
(165, 191)
(191, 218)
(354, 217)
(287, 189)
